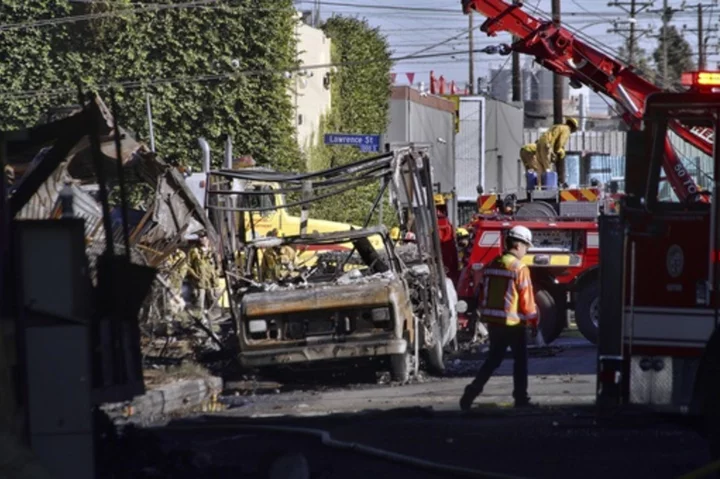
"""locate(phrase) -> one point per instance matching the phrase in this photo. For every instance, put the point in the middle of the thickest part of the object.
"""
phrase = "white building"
(310, 90)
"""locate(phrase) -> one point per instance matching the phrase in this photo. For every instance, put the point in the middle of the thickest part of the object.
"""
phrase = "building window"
(300, 119)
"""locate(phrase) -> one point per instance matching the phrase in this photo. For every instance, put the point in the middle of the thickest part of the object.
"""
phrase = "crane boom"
(561, 52)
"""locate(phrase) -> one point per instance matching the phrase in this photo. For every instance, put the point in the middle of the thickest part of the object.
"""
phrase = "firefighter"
(202, 271)
(551, 148)
(277, 260)
(177, 268)
(508, 305)
(528, 156)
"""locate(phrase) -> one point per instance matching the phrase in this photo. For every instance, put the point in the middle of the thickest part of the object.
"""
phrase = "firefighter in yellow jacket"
(507, 306)
(202, 271)
(551, 147)
(278, 261)
(528, 156)
(176, 266)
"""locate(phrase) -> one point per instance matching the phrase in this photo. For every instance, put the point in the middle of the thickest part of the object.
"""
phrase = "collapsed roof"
(59, 153)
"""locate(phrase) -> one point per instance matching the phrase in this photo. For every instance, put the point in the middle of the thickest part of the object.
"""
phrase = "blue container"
(549, 180)
(531, 180)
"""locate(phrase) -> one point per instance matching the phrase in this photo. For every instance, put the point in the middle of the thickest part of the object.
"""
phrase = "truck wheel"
(400, 366)
(547, 316)
(587, 311)
(435, 353)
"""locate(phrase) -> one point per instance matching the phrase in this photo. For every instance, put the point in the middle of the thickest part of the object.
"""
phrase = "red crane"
(561, 52)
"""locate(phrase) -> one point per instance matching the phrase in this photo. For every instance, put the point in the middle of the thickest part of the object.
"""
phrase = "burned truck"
(337, 308)
(338, 296)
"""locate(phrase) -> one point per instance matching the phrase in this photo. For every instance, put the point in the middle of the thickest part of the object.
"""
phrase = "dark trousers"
(500, 338)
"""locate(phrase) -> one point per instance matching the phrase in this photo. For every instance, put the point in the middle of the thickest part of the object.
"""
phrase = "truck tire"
(547, 316)
(436, 365)
(587, 311)
(400, 365)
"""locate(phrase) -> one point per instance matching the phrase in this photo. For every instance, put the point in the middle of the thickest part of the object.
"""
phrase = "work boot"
(468, 397)
(524, 404)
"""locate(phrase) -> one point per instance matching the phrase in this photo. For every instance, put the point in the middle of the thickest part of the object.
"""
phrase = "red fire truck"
(563, 260)
(562, 52)
(659, 264)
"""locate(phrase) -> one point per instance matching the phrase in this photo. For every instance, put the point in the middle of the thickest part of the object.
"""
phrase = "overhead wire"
(134, 84)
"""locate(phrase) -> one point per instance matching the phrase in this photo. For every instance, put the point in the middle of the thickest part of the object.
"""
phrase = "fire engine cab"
(660, 265)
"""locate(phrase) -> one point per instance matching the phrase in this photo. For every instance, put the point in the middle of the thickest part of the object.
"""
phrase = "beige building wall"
(310, 92)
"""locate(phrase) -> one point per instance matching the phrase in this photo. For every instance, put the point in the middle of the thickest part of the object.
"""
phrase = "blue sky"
(411, 30)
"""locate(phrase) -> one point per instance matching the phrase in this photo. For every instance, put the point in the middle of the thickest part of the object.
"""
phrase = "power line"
(112, 13)
(134, 84)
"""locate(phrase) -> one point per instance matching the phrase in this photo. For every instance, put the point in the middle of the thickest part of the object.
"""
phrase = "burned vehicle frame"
(335, 308)
(305, 319)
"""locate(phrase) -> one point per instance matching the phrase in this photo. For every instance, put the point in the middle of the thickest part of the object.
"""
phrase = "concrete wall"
(309, 93)
(425, 119)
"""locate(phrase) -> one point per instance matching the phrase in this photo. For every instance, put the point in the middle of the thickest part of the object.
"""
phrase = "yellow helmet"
(572, 122)
(461, 232)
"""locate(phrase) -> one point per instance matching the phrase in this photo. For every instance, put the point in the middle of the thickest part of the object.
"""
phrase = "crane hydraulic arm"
(561, 52)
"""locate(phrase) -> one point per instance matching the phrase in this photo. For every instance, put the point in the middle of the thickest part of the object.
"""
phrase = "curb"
(166, 399)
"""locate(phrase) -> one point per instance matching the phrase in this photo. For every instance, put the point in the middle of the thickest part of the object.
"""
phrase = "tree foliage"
(679, 53)
(360, 92)
(210, 71)
(642, 62)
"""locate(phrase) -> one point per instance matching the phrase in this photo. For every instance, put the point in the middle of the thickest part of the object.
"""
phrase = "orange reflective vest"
(507, 293)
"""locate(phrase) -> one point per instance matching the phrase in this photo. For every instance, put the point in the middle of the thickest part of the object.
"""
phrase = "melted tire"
(400, 367)
(436, 364)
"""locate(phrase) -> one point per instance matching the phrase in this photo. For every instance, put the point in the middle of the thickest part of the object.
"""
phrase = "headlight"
(257, 326)
(381, 314)
(461, 307)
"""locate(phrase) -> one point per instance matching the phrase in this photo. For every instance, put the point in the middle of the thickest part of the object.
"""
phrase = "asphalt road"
(421, 421)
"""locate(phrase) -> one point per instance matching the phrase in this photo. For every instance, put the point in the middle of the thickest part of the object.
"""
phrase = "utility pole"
(666, 21)
(516, 78)
(701, 50)
(471, 47)
(557, 79)
(632, 8)
(703, 35)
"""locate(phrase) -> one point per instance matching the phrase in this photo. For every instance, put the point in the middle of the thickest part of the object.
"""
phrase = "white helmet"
(521, 233)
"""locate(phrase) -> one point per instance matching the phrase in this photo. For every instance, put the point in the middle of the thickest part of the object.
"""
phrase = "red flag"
(442, 85)
(393, 76)
(432, 82)
(452, 87)
(410, 77)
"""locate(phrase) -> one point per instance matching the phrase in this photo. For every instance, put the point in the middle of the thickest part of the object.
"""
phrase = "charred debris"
(340, 295)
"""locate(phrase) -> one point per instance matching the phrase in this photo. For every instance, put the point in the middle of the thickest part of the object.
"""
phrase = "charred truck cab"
(659, 286)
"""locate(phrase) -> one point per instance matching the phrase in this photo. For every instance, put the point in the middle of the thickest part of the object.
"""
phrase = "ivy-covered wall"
(211, 71)
(361, 90)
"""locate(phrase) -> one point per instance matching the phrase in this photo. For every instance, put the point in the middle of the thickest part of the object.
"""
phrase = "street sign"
(366, 143)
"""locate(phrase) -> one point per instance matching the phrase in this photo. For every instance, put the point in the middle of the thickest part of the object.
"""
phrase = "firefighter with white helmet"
(551, 147)
(507, 305)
